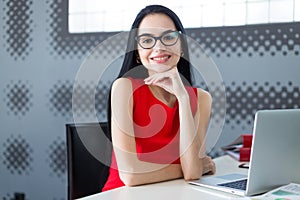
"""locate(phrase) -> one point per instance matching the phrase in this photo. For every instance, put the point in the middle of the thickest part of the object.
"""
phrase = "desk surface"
(175, 189)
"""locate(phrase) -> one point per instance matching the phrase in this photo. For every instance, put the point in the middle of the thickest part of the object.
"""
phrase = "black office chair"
(88, 158)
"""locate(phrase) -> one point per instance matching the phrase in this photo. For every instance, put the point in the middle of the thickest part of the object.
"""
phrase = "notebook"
(275, 156)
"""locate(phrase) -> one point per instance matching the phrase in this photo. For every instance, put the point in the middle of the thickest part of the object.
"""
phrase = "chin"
(159, 68)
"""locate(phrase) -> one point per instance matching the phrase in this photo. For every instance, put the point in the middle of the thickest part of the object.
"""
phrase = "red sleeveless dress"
(156, 129)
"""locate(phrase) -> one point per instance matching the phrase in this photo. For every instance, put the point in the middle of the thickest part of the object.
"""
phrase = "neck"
(162, 95)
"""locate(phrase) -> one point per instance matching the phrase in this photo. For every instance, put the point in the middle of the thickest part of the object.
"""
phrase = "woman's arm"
(193, 135)
(133, 171)
(192, 128)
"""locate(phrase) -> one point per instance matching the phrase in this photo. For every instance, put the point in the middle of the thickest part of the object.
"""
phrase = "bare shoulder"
(122, 85)
(121, 96)
(204, 102)
(204, 97)
(121, 82)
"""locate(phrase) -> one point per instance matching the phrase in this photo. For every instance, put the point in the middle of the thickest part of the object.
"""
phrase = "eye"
(170, 36)
(146, 40)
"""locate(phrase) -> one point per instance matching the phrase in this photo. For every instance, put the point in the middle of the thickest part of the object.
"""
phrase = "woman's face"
(161, 57)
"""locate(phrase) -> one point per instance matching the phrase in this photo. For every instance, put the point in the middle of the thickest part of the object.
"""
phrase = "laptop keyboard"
(240, 184)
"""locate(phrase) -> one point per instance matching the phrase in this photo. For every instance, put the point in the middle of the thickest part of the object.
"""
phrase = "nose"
(159, 45)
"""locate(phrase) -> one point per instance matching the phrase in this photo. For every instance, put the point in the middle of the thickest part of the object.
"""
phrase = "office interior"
(40, 59)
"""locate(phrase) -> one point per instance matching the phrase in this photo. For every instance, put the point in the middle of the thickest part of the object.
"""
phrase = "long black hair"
(130, 60)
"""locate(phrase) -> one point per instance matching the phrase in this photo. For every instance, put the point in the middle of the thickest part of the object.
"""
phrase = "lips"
(161, 58)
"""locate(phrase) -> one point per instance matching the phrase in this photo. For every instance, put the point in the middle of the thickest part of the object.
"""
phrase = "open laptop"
(275, 156)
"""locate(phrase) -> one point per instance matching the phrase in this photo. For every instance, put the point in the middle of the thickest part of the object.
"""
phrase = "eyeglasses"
(147, 41)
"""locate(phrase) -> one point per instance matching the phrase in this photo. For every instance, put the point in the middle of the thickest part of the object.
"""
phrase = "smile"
(161, 58)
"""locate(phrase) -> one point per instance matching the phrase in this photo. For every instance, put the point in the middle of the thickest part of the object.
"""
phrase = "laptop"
(275, 156)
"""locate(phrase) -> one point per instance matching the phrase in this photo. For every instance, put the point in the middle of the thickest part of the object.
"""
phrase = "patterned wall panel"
(60, 100)
(18, 97)
(266, 39)
(62, 43)
(244, 100)
(219, 99)
(219, 41)
(18, 28)
(18, 155)
(57, 158)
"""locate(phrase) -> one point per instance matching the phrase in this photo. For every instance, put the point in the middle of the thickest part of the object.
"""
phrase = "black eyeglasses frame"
(158, 38)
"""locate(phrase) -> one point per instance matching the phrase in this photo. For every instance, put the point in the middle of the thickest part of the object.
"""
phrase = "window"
(114, 15)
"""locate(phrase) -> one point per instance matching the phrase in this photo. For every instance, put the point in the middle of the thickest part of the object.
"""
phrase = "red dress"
(156, 129)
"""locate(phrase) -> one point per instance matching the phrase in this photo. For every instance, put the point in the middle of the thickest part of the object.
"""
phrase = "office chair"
(87, 146)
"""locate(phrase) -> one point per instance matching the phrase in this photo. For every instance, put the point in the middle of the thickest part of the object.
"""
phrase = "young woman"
(157, 120)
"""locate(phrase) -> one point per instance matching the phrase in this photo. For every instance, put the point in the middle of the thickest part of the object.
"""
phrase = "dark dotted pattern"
(219, 100)
(270, 39)
(17, 155)
(101, 100)
(250, 40)
(64, 44)
(57, 158)
(61, 98)
(244, 100)
(18, 28)
(84, 106)
(18, 98)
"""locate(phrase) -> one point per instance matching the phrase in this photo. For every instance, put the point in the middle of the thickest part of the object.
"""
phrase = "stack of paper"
(286, 192)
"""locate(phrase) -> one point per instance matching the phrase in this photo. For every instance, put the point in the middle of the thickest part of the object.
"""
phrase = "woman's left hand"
(169, 80)
(209, 166)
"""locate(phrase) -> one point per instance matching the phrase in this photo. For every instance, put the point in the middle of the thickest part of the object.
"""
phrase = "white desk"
(175, 189)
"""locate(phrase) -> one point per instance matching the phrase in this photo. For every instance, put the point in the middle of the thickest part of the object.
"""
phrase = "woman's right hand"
(169, 80)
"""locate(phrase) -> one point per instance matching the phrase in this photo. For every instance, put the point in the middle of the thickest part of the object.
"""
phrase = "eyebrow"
(149, 34)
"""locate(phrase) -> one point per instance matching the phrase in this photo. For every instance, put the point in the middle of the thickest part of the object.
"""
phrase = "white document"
(290, 192)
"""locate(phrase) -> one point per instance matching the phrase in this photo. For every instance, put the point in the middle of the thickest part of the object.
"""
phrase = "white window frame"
(86, 16)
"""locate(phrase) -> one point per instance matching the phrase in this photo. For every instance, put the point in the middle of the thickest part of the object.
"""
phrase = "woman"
(157, 120)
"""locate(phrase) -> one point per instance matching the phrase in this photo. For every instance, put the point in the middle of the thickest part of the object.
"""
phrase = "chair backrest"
(87, 148)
